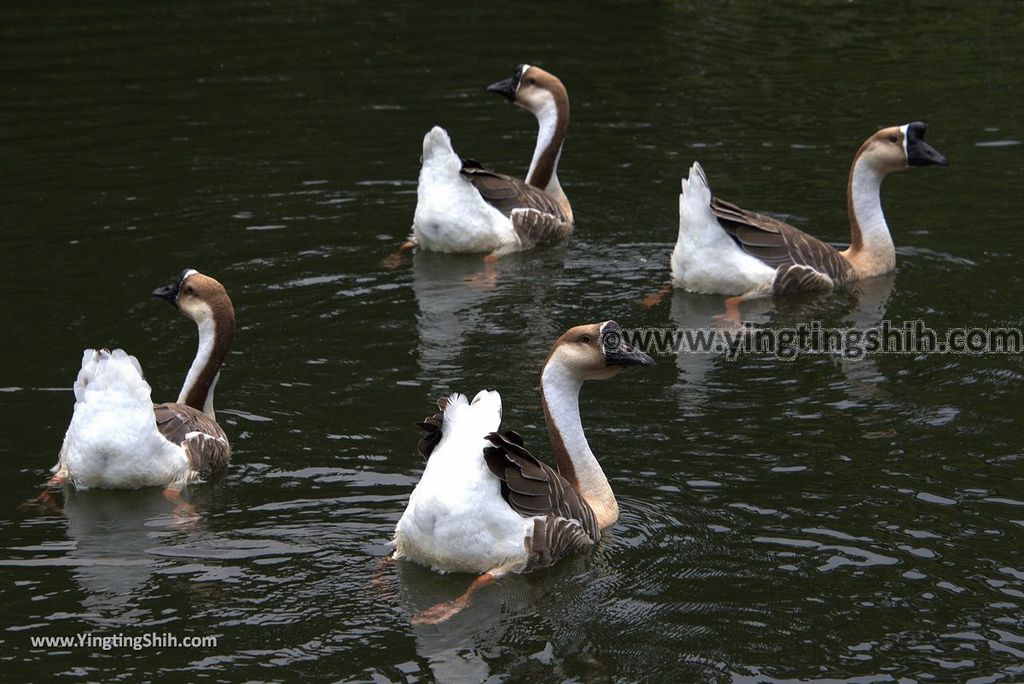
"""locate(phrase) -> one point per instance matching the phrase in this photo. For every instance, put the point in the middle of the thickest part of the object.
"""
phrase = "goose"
(463, 207)
(723, 249)
(118, 439)
(485, 504)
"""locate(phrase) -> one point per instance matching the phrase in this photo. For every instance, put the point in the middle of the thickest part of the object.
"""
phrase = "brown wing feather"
(534, 227)
(799, 278)
(565, 523)
(554, 537)
(432, 427)
(783, 246)
(535, 215)
(199, 435)
(506, 193)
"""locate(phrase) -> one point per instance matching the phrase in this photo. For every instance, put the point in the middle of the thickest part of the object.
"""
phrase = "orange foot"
(730, 318)
(486, 279)
(656, 297)
(182, 508)
(45, 502)
(377, 579)
(444, 611)
(394, 260)
(439, 613)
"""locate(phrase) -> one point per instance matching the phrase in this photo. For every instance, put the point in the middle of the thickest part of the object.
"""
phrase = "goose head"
(900, 147)
(199, 297)
(533, 89)
(597, 351)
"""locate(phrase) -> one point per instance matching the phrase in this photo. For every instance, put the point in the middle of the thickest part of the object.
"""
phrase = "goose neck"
(215, 335)
(871, 247)
(560, 390)
(552, 122)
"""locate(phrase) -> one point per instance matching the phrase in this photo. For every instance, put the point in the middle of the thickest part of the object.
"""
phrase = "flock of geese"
(484, 503)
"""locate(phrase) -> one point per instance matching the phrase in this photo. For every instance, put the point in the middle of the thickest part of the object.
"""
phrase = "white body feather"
(457, 520)
(113, 441)
(451, 216)
(705, 258)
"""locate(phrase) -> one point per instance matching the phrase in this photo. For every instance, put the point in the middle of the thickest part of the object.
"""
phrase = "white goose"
(463, 207)
(723, 249)
(118, 439)
(484, 504)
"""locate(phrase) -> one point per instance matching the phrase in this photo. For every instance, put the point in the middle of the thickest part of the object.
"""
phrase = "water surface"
(781, 521)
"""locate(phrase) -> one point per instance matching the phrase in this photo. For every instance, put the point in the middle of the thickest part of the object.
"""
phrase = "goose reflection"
(462, 649)
(112, 532)
(460, 297)
(861, 307)
(450, 292)
(698, 312)
(871, 298)
(453, 649)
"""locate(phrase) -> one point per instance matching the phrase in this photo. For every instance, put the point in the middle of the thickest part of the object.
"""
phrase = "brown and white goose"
(463, 207)
(723, 249)
(486, 505)
(118, 439)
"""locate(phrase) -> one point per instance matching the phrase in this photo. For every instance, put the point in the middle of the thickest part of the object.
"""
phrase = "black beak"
(920, 153)
(509, 86)
(170, 291)
(617, 352)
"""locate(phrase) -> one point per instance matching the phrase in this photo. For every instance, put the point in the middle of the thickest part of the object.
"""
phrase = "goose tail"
(695, 202)
(107, 375)
(696, 192)
(437, 147)
(478, 415)
(113, 440)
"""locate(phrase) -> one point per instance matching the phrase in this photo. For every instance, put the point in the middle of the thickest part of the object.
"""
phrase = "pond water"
(798, 520)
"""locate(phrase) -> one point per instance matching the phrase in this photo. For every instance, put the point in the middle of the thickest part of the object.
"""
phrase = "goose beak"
(627, 356)
(617, 352)
(506, 88)
(168, 292)
(920, 153)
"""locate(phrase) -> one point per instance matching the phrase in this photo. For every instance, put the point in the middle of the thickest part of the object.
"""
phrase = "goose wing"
(802, 262)
(199, 435)
(431, 427)
(564, 522)
(535, 215)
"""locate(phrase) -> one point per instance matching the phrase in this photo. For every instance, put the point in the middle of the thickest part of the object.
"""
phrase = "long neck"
(553, 122)
(214, 341)
(871, 249)
(560, 392)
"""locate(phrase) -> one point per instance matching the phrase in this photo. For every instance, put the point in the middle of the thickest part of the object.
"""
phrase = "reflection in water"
(455, 648)
(460, 302)
(449, 307)
(112, 532)
(697, 312)
(871, 297)
(864, 307)
(133, 154)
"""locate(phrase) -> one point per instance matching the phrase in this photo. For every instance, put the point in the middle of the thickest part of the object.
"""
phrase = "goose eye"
(530, 80)
(893, 138)
(585, 339)
(189, 290)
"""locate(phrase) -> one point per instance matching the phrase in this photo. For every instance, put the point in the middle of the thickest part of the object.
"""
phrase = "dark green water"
(781, 521)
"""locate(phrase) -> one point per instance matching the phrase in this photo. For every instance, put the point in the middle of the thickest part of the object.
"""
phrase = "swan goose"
(486, 505)
(463, 207)
(118, 439)
(723, 249)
